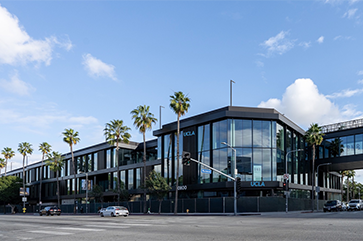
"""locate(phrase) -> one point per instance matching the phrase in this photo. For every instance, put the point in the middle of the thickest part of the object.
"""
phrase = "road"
(267, 226)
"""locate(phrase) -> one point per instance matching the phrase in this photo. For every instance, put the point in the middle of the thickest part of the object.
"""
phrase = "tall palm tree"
(55, 163)
(115, 132)
(71, 138)
(314, 137)
(44, 148)
(349, 174)
(179, 103)
(8, 154)
(143, 120)
(24, 148)
(2, 164)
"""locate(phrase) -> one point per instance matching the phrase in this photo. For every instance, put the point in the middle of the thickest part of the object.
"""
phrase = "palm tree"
(143, 120)
(349, 174)
(115, 132)
(2, 164)
(24, 148)
(179, 103)
(313, 137)
(55, 163)
(8, 154)
(45, 148)
(71, 138)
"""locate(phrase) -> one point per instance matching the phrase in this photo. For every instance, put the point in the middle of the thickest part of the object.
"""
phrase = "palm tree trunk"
(348, 189)
(144, 172)
(75, 180)
(40, 184)
(58, 190)
(23, 180)
(341, 185)
(313, 180)
(177, 168)
(6, 164)
(118, 176)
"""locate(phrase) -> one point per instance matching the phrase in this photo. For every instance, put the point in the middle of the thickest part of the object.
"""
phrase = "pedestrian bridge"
(342, 146)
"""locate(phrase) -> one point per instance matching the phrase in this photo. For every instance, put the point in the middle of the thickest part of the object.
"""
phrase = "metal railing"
(342, 126)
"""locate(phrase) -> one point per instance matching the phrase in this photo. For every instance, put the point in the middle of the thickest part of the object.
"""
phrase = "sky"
(81, 64)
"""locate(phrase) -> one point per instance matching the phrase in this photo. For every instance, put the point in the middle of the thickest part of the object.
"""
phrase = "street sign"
(207, 171)
(24, 199)
(286, 176)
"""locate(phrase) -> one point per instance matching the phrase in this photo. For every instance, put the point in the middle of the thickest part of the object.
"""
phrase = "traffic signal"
(186, 158)
(286, 184)
(239, 185)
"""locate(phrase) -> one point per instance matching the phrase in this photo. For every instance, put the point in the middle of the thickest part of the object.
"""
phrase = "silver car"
(115, 211)
(355, 204)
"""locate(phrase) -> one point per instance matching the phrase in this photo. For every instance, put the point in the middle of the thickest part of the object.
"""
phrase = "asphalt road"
(267, 226)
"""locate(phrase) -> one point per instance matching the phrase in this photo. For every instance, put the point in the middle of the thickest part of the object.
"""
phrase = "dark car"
(333, 205)
(51, 210)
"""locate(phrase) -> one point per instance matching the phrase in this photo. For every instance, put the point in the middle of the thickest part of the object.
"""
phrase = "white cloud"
(306, 45)
(360, 72)
(17, 47)
(342, 37)
(345, 93)
(350, 13)
(16, 86)
(259, 64)
(360, 81)
(320, 40)
(278, 44)
(303, 104)
(97, 68)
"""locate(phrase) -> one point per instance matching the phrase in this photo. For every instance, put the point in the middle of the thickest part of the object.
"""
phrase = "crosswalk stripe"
(81, 229)
(50, 232)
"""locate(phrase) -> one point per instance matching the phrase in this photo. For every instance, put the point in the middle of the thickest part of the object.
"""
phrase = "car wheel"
(58, 214)
(112, 215)
(102, 215)
(40, 214)
(125, 215)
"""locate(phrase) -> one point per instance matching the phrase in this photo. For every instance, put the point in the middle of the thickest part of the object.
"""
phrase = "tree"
(9, 191)
(2, 164)
(314, 137)
(179, 103)
(143, 120)
(157, 186)
(97, 193)
(44, 148)
(71, 138)
(349, 174)
(115, 132)
(123, 192)
(336, 147)
(8, 154)
(55, 163)
(24, 148)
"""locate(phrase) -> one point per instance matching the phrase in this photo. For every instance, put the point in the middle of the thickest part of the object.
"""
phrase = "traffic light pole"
(230, 177)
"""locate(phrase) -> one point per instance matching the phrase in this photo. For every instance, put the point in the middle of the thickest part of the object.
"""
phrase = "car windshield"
(354, 201)
(331, 203)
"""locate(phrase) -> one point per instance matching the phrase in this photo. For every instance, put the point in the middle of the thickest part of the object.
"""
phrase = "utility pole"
(230, 92)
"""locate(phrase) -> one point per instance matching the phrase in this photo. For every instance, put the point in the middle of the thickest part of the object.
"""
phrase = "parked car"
(50, 210)
(115, 211)
(344, 206)
(355, 204)
(333, 205)
(101, 210)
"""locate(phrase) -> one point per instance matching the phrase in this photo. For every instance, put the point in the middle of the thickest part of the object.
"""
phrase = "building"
(262, 139)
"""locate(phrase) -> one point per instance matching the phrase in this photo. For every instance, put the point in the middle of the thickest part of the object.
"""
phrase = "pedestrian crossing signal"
(186, 158)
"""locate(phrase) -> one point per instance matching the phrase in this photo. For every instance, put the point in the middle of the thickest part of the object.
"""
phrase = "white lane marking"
(49, 232)
(82, 229)
(104, 226)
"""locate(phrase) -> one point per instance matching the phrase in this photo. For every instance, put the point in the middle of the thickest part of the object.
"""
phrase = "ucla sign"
(189, 133)
(257, 184)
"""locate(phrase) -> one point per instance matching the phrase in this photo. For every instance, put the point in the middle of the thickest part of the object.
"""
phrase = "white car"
(115, 211)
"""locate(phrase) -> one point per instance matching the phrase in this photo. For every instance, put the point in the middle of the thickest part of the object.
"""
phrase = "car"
(115, 211)
(355, 204)
(101, 210)
(344, 206)
(333, 205)
(50, 210)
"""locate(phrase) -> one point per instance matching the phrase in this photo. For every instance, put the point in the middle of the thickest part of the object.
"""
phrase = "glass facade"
(341, 146)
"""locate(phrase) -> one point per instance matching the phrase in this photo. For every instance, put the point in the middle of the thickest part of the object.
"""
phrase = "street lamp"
(317, 184)
(230, 90)
(160, 115)
(287, 180)
(234, 176)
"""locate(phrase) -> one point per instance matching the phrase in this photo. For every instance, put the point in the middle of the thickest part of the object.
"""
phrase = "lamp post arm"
(215, 170)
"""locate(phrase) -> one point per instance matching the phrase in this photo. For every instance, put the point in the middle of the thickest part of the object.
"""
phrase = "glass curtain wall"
(167, 157)
(203, 152)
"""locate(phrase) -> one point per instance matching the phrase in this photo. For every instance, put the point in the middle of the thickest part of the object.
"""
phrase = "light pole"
(317, 184)
(230, 91)
(287, 180)
(160, 115)
(234, 176)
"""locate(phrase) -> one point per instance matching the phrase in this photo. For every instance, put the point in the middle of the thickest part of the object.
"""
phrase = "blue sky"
(80, 64)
